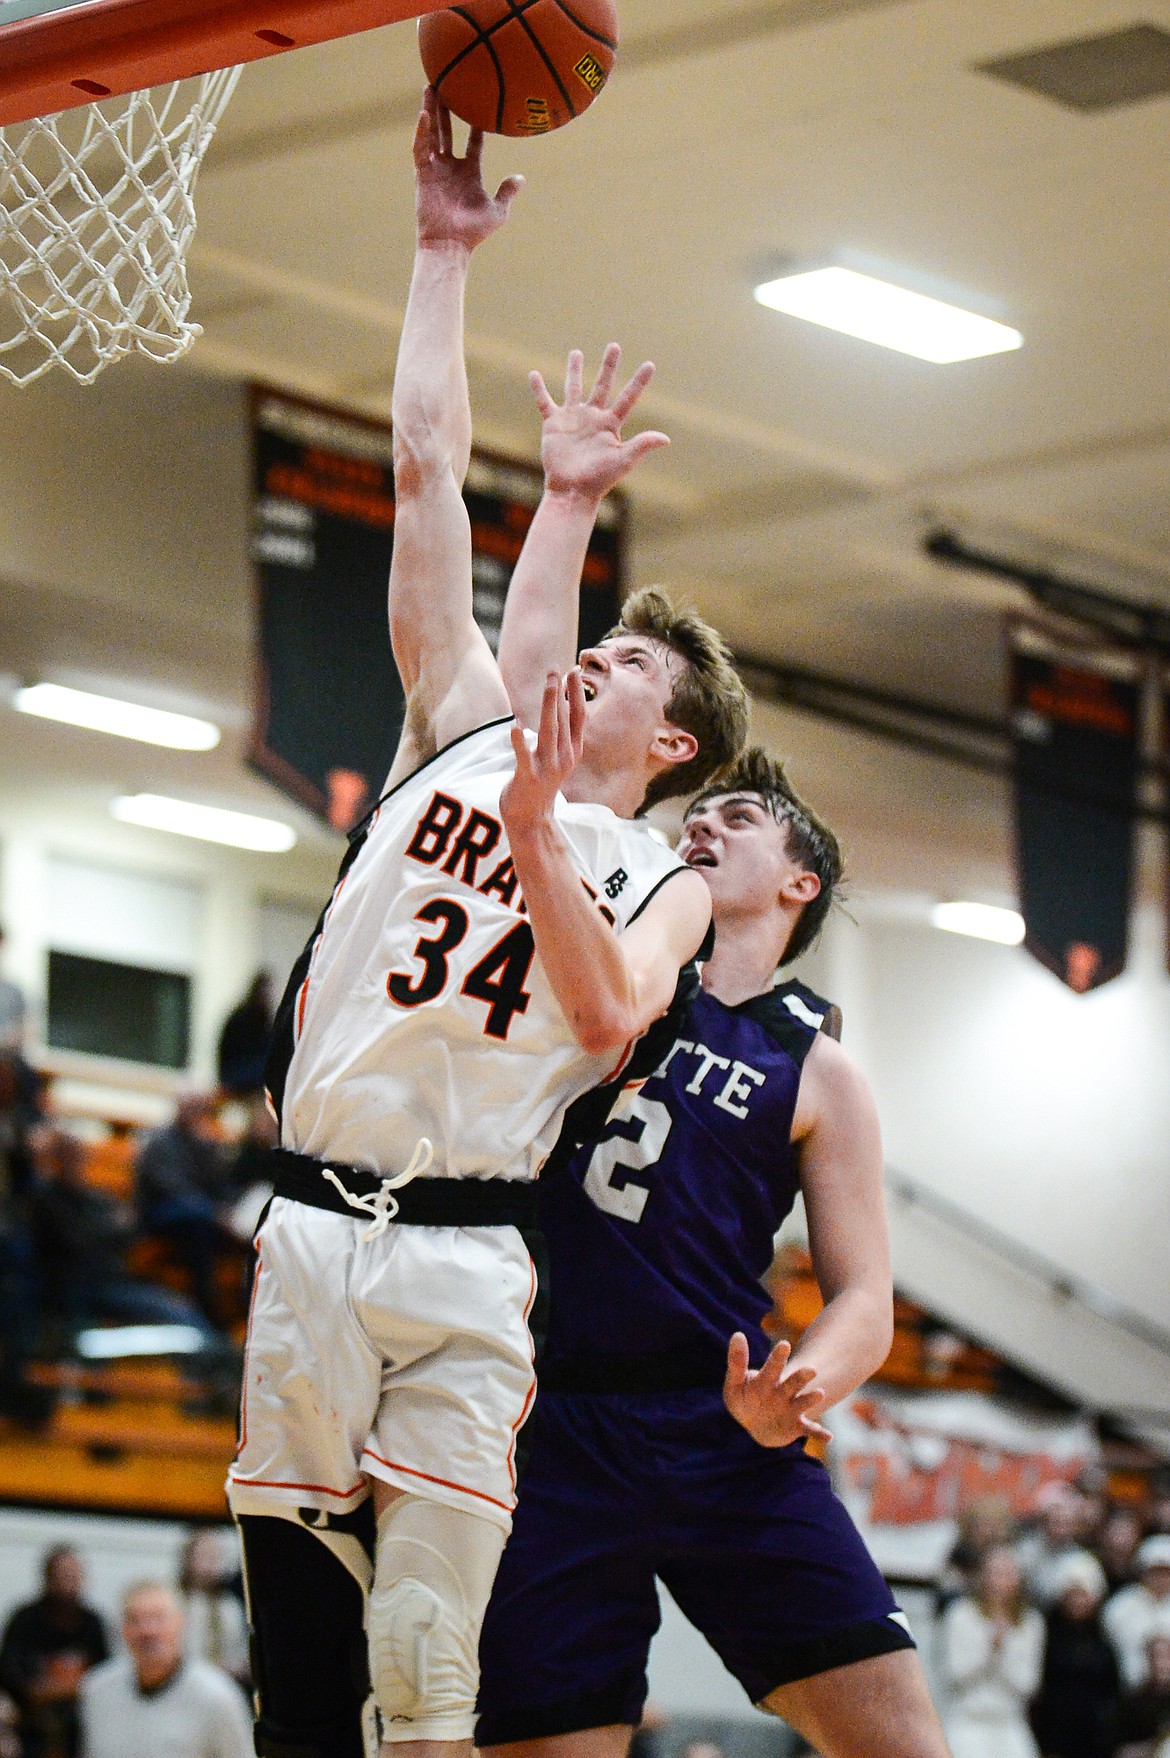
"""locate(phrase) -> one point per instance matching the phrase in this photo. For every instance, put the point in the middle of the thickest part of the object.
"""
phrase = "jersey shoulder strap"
(793, 1014)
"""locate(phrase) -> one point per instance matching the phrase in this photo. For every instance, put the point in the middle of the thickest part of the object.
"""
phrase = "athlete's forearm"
(847, 1341)
(431, 407)
(539, 632)
(582, 956)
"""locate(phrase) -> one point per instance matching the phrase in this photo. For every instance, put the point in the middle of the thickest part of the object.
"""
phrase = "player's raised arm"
(841, 1178)
(610, 987)
(451, 680)
(584, 456)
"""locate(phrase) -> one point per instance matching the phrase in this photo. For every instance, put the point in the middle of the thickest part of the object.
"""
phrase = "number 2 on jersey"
(645, 1125)
(498, 979)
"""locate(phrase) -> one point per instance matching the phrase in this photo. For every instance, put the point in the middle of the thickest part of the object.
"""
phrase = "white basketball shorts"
(406, 1357)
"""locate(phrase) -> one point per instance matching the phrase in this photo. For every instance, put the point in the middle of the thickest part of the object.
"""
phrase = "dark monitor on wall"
(120, 1010)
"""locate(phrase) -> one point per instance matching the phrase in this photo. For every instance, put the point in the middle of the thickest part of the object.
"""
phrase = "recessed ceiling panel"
(1093, 73)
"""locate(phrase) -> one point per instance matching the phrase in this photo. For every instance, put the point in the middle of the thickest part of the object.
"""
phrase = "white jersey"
(424, 1010)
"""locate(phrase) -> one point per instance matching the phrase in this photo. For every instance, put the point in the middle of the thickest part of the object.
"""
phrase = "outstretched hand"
(775, 1407)
(581, 444)
(451, 204)
(541, 772)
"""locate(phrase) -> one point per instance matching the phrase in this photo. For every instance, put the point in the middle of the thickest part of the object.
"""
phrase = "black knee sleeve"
(309, 1660)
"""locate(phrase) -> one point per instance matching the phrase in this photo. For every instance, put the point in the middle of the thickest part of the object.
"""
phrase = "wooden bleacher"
(124, 1438)
(922, 1354)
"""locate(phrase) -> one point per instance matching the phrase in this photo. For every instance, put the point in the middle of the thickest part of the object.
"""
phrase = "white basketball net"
(96, 215)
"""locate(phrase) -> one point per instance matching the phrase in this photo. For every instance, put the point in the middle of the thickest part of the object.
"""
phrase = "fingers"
(815, 1430)
(773, 1368)
(642, 443)
(576, 699)
(540, 391)
(424, 134)
(574, 376)
(634, 389)
(508, 191)
(737, 1363)
(565, 757)
(547, 740)
(474, 153)
(607, 372)
(443, 128)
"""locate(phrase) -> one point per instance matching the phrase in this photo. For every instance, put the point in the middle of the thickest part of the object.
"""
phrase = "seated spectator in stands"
(985, 1524)
(19, 1291)
(82, 1235)
(153, 1700)
(1056, 1536)
(992, 1644)
(1117, 1545)
(47, 1647)
(1158, 1513)
(243, 1042)
(1075, 1711)
(1141, 1610)
(217, 1629)
(1143, 1721)
(180, 1188)
(11, 1744)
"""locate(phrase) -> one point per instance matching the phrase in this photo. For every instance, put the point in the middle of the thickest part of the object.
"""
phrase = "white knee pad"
(432, 1579)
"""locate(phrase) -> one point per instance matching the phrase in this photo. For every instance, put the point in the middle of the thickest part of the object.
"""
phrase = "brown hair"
(708, 699)
(810, 841)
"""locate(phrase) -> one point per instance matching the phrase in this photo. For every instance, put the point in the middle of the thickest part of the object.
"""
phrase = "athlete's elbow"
(602, 1031)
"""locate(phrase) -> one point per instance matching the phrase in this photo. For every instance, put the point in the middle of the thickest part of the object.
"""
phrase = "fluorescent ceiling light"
(208, 823)
(893, 317)
(983, 921)
(119, 1340)
(129, 720)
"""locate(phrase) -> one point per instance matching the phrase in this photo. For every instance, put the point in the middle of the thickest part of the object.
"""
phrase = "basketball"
(519, 66)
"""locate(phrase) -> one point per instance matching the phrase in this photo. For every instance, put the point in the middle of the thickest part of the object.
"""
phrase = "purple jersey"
(660, 1229)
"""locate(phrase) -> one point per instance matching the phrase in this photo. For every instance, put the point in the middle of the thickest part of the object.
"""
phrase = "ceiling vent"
(1093, 73)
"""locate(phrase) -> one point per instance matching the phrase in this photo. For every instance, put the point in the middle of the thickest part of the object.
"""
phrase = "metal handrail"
(1059, 1284)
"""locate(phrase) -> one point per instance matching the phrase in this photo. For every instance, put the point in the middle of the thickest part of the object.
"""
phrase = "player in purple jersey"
(659, 1448)
(668, 1440)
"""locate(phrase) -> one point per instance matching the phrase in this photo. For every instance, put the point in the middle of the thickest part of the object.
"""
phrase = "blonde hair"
(708, 699)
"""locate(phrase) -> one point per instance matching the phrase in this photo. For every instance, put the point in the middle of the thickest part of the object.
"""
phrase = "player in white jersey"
(502, 932)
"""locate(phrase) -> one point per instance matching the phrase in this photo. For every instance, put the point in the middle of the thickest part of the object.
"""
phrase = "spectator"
(47, 1646)
(985, 1524)
(82, 1235)
(1117, 1547)
(1159, 1510)
(992, 1644)
(1141, 1610)
(217, 1630)
(1075, 1712)
(19, 1293)
(180, 1185)
(243, 1042)
(1144, 1718)
(11, 1745)
(13, 1012)
(1056, 1537)
(154, 1700)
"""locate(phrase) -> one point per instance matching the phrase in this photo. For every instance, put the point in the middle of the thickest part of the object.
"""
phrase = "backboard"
(57, 54)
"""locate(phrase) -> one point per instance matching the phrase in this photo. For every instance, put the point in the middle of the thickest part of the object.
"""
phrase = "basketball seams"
(550, 56)
(518, 10)
(587, 30)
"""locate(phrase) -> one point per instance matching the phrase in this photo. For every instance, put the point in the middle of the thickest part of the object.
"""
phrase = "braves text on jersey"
(419, 1007)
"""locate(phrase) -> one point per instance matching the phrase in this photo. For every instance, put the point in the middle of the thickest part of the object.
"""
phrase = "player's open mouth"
(589, 689)
(700, 857)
